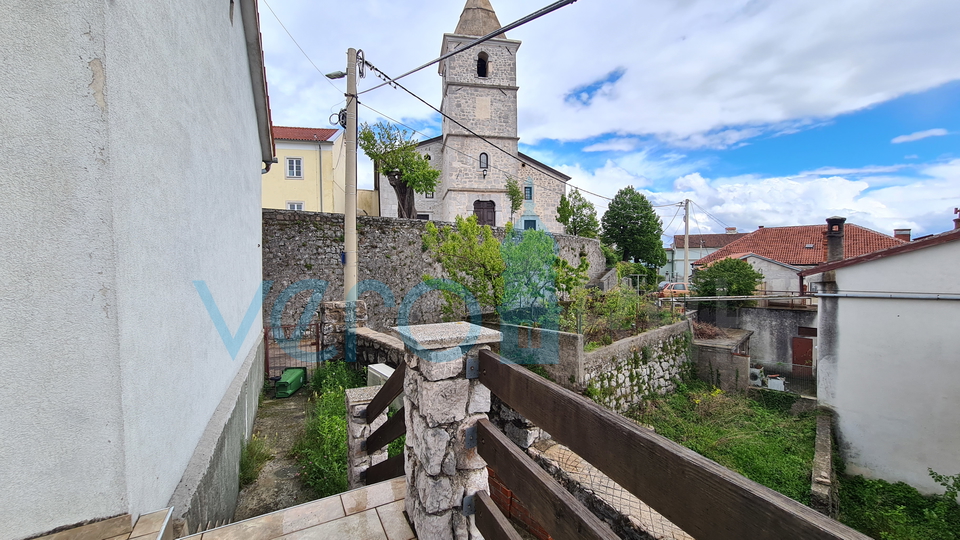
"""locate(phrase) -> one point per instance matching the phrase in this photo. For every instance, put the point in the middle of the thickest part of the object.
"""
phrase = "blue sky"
(762, 112)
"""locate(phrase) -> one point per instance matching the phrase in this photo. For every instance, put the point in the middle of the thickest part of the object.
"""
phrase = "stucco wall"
(773, 330)
(895, 384)
(305, 245)
(131, 169)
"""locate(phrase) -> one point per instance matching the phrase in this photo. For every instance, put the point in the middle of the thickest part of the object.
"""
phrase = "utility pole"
(686, 240)
(350, 187)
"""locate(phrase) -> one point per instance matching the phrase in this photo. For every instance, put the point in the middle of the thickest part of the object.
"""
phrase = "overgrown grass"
(761, 442)
(253, 456)
(322, 450)
(898, 511)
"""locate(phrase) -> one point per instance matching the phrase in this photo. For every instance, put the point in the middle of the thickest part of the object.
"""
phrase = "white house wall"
(895, 384)
(131, 170)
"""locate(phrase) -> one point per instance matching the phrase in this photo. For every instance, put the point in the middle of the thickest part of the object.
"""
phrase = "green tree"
(529, 280)
(515, 194)
(470, 255)
(394, 151)
(578, 215)
(727, 277)
(631, 224)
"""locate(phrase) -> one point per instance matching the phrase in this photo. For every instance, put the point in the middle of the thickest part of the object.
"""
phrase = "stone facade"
(486, 104)
(376, 348)
(358, 459)
(301, 246)
(622, 374)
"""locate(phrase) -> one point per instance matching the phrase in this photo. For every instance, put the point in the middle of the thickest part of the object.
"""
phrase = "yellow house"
(309, 174)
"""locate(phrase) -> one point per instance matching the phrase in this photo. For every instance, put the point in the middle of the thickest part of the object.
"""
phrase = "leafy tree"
(610, 255)
(578, 215)
(529, 281)
(570, 277)
(470, 255)
(394, 151)
(726, 277)
(515, 194)
(635, 228)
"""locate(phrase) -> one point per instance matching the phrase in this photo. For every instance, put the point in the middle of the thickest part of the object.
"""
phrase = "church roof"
(478, 19)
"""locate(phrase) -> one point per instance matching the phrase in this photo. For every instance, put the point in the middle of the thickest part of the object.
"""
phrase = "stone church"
(480, 92)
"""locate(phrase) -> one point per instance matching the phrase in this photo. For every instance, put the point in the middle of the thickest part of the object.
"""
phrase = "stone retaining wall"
(621, 374)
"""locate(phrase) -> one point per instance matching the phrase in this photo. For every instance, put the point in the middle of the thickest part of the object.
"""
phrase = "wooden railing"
(388, 432)
(703, 498)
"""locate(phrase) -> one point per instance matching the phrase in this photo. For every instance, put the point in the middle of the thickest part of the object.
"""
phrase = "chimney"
(956, 222)
(902, 234)
(759, 226)
(835, 238)
(731, 230)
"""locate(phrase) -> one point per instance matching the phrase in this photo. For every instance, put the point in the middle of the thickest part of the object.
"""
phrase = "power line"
(535, 15)
(710, 215)
(322, 76)
(667, 228)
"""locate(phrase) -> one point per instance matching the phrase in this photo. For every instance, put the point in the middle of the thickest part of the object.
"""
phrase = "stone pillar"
(334, 321)
(358, 460)
(441, 404)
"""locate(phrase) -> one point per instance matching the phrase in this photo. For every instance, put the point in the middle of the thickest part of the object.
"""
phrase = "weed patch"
(322, 451)
(764, 444)
(253, 456)
(898, 511)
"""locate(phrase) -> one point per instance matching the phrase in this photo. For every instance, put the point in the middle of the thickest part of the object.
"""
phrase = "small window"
(529, 224)
(424, 217)
(528, 193)
(294, 205)
(484, 161)
(294, 168)
(483, 63)
(428, 195)
(428, 158)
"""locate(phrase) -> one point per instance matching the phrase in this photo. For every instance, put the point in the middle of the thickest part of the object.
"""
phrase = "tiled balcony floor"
(369, 513)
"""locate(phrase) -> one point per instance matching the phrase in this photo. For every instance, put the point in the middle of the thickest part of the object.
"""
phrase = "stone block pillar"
(440, 405)
(358, 460)
(335, 320)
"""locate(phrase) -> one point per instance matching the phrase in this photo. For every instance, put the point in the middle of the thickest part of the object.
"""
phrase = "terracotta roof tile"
(707, 240)
(789, 245)
(304, 134)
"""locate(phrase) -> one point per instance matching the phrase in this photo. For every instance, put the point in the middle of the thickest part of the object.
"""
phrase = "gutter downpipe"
(258, 80)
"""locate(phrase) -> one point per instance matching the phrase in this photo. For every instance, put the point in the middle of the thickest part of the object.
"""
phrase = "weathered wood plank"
(391, 389)
(386, 470)
(708, 501)
(491, 522)
(551, 505)
(387, 433)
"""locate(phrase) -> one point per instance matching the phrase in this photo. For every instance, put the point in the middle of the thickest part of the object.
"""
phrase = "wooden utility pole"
(686, 240)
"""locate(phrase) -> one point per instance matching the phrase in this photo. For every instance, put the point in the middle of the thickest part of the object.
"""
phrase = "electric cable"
(299, 47)
(520, 22)
(667, 228)
(709, 214)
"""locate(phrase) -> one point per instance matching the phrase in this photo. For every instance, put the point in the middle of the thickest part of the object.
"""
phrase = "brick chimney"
(835, 238)
(956, 222)
(902, 234)
(731, 230)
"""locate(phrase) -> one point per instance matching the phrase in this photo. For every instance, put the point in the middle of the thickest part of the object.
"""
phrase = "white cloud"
(871, 169)
(938, 132)
(614, 145)
(695, 72)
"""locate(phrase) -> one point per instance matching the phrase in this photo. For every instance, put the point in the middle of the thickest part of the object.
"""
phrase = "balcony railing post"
(441, 406)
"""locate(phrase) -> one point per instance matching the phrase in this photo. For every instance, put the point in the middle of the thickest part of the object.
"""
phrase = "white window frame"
(286, 169)
(428, 195)
(295, 203)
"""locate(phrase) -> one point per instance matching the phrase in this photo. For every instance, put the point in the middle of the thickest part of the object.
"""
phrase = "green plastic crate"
(291, 381)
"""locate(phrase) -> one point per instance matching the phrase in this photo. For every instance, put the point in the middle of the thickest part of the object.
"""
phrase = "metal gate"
(291, 346)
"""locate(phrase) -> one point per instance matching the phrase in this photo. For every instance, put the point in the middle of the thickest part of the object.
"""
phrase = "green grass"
(897, 511)
(254, 455)
(322, 450)
(760, 441)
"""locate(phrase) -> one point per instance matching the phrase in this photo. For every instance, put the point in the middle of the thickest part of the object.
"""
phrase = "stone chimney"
(835, 238)
(902, 234)
(731, 230)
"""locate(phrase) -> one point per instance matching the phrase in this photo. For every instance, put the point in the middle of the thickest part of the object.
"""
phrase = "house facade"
(887, 358)
(701, 245)
(130, 260)
(480, 93)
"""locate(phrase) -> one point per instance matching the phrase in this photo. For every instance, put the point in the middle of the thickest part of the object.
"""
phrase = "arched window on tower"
(483, 62)
(484, 161)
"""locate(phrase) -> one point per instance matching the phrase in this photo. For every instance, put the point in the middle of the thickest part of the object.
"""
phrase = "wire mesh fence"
(794, 378)
(291, 346)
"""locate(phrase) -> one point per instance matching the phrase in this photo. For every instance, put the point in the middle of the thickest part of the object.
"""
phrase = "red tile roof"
(304, 134)
(905, 247)
(707, 240)
(789, 244)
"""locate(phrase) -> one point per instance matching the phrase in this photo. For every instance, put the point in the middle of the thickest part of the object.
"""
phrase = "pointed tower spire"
(478, 19)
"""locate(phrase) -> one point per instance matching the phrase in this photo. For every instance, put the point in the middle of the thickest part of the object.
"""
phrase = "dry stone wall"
(300, 246)
(622, 374)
